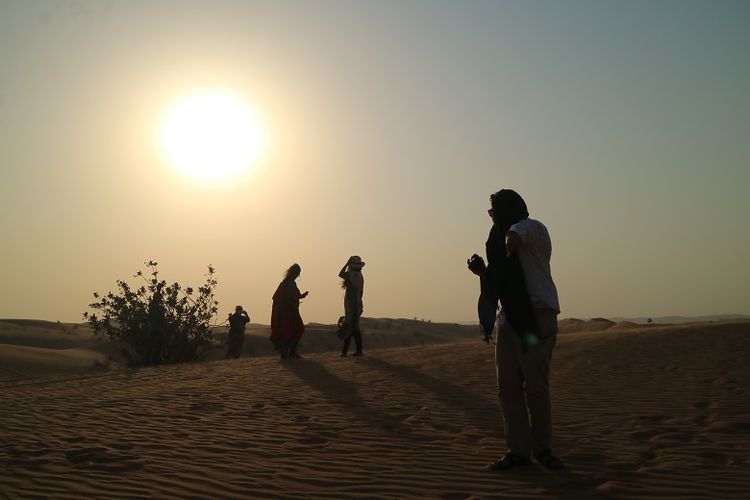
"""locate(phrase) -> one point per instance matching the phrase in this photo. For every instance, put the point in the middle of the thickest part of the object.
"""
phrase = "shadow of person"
(484, 414)
(346, 394)
(566, 483)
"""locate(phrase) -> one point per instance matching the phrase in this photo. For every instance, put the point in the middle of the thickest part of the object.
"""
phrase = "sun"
(211, 136)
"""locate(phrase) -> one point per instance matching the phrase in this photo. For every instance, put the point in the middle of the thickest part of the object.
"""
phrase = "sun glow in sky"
(211, 136)
(251, 135)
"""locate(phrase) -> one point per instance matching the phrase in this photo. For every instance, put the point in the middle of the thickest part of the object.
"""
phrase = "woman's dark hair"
(293, 272)
(509, 206)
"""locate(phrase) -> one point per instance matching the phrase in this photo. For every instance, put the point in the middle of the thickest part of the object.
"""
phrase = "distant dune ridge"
(38, 348)
(34, 348)
(639, 412)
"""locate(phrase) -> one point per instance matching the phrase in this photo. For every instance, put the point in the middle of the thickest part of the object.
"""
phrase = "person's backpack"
(342, 329)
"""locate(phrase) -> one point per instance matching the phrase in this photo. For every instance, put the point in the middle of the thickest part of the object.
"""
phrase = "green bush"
(183, 332)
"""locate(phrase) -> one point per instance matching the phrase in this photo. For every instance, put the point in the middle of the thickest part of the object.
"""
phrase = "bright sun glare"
(211, 136)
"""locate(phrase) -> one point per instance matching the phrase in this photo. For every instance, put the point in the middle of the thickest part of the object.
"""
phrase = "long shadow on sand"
(567, 483)
(346, 394)
(485, 415)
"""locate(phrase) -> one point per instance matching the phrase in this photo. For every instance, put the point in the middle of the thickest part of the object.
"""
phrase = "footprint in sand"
(121, 446)
(450, 429)
(701, 420)
(312, 440)
(736, 461)
(643, 435)
(684, 436)
(715, 457)
(735, 427)
(102, 459)
(73, 439)
(207, 407)
(648, 419)
(648, 456)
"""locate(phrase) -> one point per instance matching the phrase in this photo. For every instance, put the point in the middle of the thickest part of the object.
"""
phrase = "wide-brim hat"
(356, 262)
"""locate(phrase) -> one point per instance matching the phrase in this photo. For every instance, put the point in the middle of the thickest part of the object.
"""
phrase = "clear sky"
(624, 124)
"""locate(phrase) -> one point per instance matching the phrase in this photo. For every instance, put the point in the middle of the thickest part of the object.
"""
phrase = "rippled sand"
(654, 413)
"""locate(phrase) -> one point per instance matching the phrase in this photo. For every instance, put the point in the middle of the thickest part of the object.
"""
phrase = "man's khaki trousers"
(523, 385)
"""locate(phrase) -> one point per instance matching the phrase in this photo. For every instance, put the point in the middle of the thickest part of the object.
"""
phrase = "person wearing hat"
(353, 284)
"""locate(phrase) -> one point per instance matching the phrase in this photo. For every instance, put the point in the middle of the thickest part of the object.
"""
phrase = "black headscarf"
(503, 280)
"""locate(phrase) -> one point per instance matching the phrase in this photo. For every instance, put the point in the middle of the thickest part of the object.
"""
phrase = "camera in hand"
(476, 264)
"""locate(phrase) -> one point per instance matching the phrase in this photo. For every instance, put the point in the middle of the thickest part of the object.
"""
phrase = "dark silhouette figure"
(236, 337)
(286, 323)
(156, 314)
(518, 276)
(354, 285)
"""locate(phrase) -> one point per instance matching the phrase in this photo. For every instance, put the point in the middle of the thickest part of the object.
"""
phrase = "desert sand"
(657, 412)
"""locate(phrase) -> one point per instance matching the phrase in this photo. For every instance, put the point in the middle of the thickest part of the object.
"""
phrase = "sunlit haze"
(211, 136)
(252, 135)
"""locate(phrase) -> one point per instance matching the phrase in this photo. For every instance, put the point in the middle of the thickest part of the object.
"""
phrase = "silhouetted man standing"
(236, 336)
(518, 276)
(156, 313)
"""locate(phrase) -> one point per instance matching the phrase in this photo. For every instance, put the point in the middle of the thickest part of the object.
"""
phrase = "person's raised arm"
(342, 273)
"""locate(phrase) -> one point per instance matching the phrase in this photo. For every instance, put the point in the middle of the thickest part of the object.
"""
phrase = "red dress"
(286, 323)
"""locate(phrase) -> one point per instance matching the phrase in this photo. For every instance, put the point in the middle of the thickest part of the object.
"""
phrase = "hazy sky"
(624, 124)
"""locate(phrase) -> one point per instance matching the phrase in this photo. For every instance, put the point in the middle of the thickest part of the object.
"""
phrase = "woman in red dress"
(286, 323)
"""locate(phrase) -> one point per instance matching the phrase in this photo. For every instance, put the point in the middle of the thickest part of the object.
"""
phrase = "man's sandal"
(509, 461)
(547, 459)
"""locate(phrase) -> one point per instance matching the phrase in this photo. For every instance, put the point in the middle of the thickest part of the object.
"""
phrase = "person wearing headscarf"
(354, 285)
(286, 323)
(518, 277)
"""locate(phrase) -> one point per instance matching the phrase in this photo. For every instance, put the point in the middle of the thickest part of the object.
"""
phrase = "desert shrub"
(184, 331)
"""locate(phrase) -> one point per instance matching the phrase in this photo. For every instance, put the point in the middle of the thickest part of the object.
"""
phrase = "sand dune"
(44, 334)
(650, 413)
(18, 362)
(569, 325)
(32, 348)
(379, 333)
(62, 348)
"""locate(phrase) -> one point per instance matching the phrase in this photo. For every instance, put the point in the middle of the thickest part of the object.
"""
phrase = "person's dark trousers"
(154, 355)
(355, 332)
